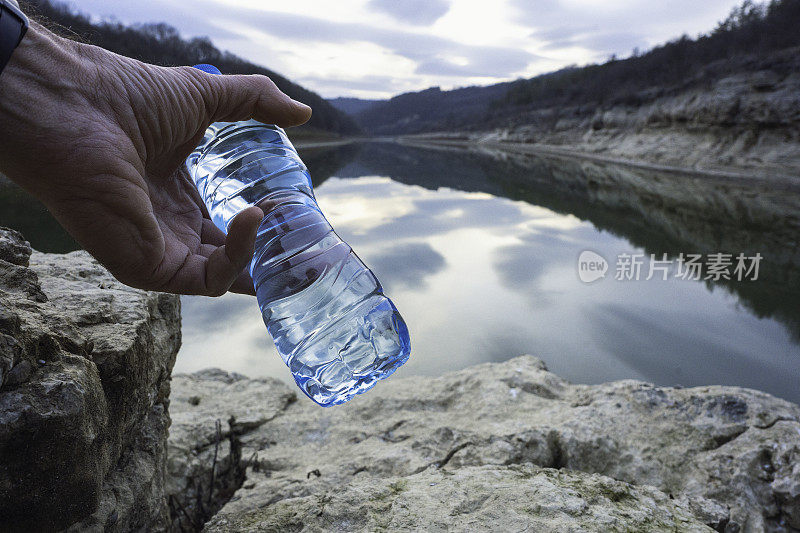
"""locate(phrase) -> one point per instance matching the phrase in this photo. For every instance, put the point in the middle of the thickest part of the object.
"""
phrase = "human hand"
(101, 140)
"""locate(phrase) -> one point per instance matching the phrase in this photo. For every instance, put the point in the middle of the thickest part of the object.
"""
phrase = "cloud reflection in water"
(481, 278)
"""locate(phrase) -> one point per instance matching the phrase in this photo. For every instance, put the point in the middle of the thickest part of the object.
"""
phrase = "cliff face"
(748, 121)
(84, 385)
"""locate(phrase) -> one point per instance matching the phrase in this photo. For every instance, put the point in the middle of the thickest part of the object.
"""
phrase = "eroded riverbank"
(782, 179)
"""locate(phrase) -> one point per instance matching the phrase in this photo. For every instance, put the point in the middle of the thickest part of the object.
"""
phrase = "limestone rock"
(205, 465)
(14, 248)
(474, 498)
(84, 369)
(743, 118)
(726, 454)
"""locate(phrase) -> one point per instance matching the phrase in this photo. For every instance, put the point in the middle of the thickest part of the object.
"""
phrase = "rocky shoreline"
(489, 143)
(86, 403)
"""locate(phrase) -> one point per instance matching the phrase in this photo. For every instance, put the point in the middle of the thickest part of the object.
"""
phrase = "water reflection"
(479, 253)
(407, 266)
(657, 212)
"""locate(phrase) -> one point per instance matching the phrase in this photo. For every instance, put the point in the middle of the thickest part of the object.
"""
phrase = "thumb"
(230, 98)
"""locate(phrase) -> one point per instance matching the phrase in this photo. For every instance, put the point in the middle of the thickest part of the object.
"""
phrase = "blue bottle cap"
(211, 69)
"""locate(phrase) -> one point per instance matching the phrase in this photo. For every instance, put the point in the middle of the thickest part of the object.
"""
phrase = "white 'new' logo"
(591, 266)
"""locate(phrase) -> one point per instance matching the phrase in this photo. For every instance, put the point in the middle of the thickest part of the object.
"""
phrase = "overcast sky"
(380, 48)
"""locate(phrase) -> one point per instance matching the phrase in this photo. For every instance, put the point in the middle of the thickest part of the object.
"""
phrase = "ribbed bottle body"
(326, 311)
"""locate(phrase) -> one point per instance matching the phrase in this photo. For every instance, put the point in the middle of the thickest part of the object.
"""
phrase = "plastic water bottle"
(326, 311)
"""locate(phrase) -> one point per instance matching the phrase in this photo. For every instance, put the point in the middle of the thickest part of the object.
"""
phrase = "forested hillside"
(352, 106)
(751, 29)
(431, 110)
(161, 44)
(747, 39)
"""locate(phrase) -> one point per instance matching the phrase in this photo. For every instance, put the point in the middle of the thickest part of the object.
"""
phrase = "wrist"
(40, 59)
(13, 25)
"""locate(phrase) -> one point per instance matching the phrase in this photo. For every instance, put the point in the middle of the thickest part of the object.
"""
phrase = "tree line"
(752, 29)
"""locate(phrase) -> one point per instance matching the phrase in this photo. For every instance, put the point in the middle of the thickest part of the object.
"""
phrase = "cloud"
(206, 312)
(417, 12)
(364, 83)
(484, 62)
(592, 38)
(406, 265)
(433, 54)
(357, 50)
(189, 22)
(616, 26)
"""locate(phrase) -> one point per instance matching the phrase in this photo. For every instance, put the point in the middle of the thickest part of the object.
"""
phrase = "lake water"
(479, 251)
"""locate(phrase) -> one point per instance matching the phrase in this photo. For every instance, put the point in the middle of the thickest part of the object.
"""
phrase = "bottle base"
(327, 397)
(367, 344)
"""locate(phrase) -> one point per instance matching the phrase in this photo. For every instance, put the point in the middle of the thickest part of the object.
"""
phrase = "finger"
(211, 237)
(241, 238)
(232, 98)
(211, 234)
(211, 271)
(243, 284)
(227, 262)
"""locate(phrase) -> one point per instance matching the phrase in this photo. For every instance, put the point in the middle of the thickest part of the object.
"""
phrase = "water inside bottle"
(326, 311)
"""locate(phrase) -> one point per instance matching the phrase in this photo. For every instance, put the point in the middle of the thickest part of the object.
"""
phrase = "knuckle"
(265, 84)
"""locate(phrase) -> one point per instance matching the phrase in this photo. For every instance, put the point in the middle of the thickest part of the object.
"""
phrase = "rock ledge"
(503, 446)
(84, 385)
